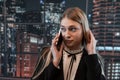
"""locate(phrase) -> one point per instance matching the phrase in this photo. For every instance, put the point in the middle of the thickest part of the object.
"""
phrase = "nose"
(66, 34)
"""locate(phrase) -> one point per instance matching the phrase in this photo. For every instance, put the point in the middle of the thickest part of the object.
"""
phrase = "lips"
(68, 41)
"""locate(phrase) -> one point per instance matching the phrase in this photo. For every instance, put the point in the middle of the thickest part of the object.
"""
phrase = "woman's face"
(72, 33)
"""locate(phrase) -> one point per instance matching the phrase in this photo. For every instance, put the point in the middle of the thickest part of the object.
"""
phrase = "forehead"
(66, 22)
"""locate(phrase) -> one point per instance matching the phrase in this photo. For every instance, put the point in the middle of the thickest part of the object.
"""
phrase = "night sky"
(32, 5)
(76, 3)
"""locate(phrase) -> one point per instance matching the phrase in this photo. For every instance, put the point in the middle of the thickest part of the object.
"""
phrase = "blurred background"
(28, 25)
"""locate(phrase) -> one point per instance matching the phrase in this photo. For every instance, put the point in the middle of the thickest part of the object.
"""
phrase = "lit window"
(117, 34)
(33, 40)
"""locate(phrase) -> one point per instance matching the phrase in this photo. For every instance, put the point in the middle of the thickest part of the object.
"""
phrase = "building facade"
(106, 28)
(27, 53)
(10, 10)
(23, 32)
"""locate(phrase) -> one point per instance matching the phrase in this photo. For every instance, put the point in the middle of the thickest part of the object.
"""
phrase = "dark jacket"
(89, 68)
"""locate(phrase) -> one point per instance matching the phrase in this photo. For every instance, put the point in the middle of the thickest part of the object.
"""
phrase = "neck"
(73, 50)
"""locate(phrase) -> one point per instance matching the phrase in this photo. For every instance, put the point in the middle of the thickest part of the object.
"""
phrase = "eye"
(73, 29)
(63, 29)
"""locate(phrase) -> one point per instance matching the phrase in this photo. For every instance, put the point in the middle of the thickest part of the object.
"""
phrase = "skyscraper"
(106, 28)
(10, 12)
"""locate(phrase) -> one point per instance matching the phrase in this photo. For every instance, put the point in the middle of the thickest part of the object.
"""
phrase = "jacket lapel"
(81, 71)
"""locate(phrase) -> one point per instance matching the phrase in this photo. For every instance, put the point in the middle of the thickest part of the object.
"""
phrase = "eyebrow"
(68, 26)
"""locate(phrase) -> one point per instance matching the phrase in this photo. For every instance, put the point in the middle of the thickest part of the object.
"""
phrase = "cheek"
(79, 37)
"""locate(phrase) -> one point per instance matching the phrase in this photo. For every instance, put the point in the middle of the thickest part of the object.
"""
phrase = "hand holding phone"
(57, 48)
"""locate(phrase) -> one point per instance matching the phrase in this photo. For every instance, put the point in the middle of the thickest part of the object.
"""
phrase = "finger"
(61, 48)
(55, 41)
(92, 38)
(54, 49)
(96, 42)
(89, 37)
(56, 37)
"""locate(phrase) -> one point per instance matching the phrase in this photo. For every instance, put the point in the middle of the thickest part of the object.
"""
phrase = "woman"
(77, 58)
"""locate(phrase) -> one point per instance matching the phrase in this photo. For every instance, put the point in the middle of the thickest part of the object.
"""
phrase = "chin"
(70, 46)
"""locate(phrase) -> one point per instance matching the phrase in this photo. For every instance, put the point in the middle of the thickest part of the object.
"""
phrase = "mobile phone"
(60, 39)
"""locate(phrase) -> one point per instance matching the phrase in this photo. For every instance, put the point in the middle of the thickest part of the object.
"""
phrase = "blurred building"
(35, 32)
(10, 12)
(27, 53)
(89, 12)
(106, 28)
(23, 32)
(51, 12)
(14, 78)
